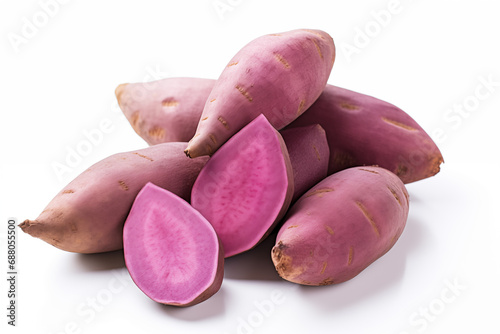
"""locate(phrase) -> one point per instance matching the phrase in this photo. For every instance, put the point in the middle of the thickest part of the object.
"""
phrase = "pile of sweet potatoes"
(267, 147)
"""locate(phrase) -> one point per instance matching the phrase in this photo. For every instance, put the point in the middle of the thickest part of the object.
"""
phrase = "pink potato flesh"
(246, 187)
(165, 110)
(363, 130)
(171, 251)
(88, 214)
(340, 226)
(309, 156)
(277, 75)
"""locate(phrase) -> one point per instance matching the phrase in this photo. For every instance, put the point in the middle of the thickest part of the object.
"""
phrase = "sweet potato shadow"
(382, 274)
(255, 264)
(100, 261)
(212, 307)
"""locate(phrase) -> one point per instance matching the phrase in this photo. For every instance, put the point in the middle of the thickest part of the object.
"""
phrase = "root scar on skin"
(123, 185)
(319, 192)
(348, 106)
(369, 218)
(143, 156)
(314, 32)
(398, 124)
(223, 121)
(368, 170)
(317, 153)
(393, 192)
(301, 107)
(350, 256)
(329, 229)
(157, 132)
(324, 267)
(317, 48)
(282, 60)
(169, 103)
(244, 92)
(212, 138)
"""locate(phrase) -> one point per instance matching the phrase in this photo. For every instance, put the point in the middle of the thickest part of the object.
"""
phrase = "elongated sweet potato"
(171, 251)
(363, 130)
(165, 110)
(87, 215)
(246, 187)
(340, 226)
(309, 155)
(277, 75)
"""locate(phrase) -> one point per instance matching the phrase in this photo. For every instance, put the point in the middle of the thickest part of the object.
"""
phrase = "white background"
(428, 58)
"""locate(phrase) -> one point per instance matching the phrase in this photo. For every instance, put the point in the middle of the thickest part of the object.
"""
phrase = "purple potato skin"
(88, 214)
(363, 130)
(309, 155)
(340, 226)
(165, 110)
(277, 75)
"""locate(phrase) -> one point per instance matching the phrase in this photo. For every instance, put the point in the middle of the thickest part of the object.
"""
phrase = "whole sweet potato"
(340, 226)
(277, 75)
(165, 110)
(363, 130)
(87, 215)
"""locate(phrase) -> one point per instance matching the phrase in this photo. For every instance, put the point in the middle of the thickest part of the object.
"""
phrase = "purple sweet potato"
(246, 187)
(340, 226)
(171, 251)
(309, 155)
(363, 130)
(166, 110)
(87, 215)
(277, 75)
